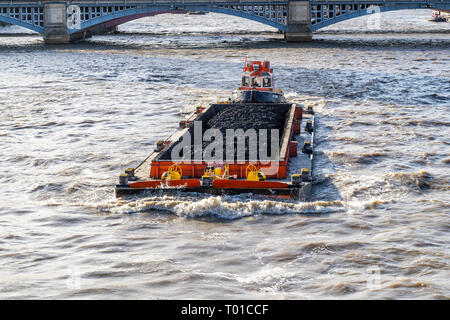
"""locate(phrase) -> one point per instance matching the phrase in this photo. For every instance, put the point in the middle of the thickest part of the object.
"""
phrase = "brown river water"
(73, 117)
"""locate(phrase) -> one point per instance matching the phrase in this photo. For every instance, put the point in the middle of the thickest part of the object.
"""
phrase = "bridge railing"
(125, 2)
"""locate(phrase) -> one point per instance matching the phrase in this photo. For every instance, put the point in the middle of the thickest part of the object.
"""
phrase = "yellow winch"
(216, 173)
(253, 174)
(173, 173)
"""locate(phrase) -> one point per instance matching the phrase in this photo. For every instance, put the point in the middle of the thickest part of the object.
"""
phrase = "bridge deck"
(83, 15)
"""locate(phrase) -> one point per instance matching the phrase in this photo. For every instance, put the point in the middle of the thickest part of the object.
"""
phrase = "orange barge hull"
(287, 191)
(195, 169)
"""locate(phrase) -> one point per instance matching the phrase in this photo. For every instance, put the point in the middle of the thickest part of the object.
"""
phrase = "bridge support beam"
(55, 23)
(299, 29)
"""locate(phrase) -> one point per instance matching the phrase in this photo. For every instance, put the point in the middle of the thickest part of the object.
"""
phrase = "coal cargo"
(245, 117)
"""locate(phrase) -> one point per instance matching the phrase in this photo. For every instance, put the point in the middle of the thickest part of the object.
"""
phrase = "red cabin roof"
(257, 75)
(257, 68)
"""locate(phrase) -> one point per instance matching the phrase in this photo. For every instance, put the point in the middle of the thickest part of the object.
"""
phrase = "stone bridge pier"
(299, 27)
(55, 21)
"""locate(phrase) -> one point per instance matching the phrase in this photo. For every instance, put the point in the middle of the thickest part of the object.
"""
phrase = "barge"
(255, 143)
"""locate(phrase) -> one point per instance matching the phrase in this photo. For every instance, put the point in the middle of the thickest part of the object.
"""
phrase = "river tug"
(257, 85)
(256, 121)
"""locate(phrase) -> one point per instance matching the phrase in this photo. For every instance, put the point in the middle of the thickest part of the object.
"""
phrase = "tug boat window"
(256, 82)
(245, 81)
(267, 83)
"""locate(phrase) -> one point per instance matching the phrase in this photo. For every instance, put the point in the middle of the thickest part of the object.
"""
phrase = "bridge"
(65, 21)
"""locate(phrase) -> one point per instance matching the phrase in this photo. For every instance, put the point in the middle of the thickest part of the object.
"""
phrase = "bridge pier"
(55, 23)
(298, 29)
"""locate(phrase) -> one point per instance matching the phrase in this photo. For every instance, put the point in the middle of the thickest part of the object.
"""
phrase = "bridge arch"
(22, 23)
(276, 16)
(334, 13)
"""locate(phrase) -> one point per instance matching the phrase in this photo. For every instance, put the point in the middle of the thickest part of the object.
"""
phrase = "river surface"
(73, 117)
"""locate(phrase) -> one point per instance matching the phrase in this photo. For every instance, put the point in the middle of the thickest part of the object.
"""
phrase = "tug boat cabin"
(257, 85)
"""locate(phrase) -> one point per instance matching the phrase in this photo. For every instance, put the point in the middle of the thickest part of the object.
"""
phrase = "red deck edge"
(185, 183)
(245, 184)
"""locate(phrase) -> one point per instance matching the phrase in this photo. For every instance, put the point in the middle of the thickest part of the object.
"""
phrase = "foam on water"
(220, 207)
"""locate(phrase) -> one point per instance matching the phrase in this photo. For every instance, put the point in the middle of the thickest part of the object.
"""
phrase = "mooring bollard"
(159, 145)
(309, 128)
(307, 147)
(305, 174)
(123, 179)
(130, 174)
(296, 179)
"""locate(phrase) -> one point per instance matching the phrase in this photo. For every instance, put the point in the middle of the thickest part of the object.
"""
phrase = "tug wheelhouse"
(257, 85)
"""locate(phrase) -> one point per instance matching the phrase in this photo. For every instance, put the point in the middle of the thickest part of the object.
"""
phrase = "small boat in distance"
(257, 85)
(438, 16)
